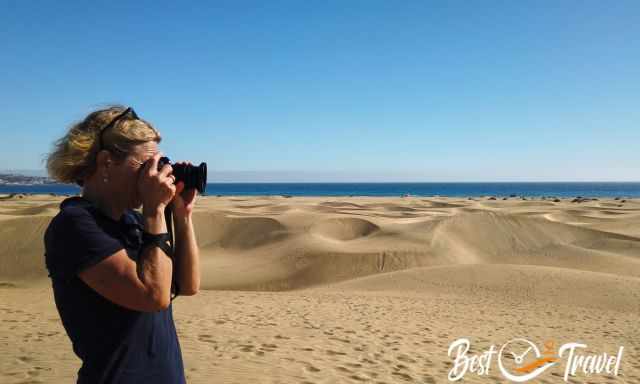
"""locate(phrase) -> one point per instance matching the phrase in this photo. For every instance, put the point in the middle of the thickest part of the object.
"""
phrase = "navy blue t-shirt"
(115, 344)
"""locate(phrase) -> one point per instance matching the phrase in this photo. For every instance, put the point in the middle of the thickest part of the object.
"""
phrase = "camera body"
(191, 175)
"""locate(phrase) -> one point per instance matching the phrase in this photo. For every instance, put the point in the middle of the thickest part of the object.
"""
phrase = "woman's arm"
(187, 256)
(143, 286)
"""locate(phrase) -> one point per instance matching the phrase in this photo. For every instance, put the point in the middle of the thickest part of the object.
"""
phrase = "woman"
(111, 278)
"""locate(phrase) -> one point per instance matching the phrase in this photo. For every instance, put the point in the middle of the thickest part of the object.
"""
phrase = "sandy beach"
(361, 289)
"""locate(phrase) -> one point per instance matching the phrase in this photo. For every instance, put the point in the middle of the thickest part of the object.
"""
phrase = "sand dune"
(21, 248)
(350, 228)
(353, 289)
(237, 232)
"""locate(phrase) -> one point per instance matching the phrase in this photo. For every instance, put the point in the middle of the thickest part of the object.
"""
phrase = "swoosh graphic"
(538, 363)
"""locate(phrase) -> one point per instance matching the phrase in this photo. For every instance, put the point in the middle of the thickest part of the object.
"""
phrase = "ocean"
(498, 189)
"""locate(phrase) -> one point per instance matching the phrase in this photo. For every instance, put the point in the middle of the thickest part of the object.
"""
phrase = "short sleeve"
(74, 241)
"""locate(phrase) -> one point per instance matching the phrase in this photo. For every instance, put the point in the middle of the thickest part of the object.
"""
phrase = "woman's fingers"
(152, 165)
(166, 170)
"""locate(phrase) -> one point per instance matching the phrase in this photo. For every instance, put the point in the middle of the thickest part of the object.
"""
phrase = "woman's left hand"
(184, 200)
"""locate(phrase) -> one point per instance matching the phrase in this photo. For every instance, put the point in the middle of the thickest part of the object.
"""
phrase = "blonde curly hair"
(73, 157)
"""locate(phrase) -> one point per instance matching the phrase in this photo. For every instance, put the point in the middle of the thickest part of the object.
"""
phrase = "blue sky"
(337, 90)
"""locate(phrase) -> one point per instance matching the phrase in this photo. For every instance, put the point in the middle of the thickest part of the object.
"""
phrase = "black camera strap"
(159, 240)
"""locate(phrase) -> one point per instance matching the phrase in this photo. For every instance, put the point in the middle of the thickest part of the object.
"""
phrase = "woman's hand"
(184, 200)
(156, 188)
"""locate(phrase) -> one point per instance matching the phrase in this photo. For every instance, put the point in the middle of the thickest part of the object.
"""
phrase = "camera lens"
(192, 176)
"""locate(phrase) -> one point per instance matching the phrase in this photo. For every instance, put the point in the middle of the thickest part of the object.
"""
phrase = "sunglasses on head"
(113, 122)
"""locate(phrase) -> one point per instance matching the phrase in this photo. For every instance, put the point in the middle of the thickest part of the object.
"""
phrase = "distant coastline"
(19, 179)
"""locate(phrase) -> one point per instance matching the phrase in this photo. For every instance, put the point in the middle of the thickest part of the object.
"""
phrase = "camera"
(191, 175)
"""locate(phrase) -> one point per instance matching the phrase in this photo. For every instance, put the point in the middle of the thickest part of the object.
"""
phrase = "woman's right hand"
(156, 188)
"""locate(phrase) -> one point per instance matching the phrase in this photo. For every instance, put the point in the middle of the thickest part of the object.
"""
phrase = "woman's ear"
(103, 160)
(103, 163)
